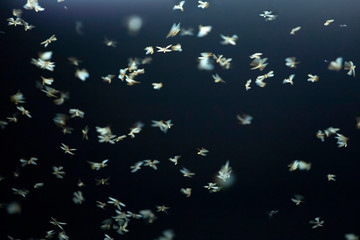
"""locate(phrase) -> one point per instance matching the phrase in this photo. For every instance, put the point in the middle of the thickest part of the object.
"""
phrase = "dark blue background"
(286, 119)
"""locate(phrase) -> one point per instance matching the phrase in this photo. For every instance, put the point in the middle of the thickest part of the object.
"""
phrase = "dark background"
(286, 119)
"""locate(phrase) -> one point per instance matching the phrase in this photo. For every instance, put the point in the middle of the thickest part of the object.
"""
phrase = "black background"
(286, 119)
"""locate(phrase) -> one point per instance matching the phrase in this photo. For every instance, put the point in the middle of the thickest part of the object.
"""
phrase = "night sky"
(285, 120)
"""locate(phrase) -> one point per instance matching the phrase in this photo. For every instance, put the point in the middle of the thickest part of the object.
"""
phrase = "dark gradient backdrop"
(286, 119)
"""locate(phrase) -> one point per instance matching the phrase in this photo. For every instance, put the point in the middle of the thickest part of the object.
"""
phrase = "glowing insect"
(164, 49)
(179, 6)
(49, 40)
(294, 30)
